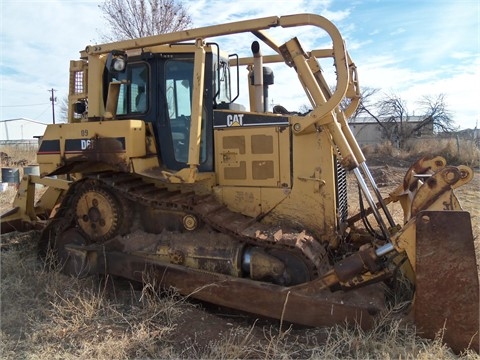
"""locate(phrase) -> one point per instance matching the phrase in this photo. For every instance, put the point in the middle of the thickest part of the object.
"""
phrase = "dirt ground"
(202, 324)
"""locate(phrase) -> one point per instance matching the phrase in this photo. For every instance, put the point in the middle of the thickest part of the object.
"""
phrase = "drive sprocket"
(98, 213)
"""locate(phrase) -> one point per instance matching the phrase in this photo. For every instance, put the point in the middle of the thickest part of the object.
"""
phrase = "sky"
(410, 48)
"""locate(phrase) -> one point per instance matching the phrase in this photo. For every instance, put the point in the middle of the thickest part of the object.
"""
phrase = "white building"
(367, 130)
(21, 129)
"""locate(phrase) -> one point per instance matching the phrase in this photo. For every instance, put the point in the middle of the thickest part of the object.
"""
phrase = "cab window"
(222, 82)
(133, 97)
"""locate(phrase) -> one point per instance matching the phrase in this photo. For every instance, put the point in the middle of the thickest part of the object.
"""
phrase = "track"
(193, 210)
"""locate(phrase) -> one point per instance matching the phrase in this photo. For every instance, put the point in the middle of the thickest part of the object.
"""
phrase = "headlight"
(119, 64)
(116, 61)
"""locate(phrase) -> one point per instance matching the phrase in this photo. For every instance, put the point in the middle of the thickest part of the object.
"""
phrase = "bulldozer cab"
(159, 89)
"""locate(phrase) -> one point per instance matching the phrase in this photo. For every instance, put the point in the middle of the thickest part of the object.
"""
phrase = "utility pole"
(53, 99)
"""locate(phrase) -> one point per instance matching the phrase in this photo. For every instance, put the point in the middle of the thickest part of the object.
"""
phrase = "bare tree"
(396, 122)
(130, 19)
(392, 115)
(63, 109)
(363, 107)
(367, 93)
(366, 98)
(436, 114)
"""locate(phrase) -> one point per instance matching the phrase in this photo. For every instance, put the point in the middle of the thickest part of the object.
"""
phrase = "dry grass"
(13, 155)
(45, 314)
(455, 151)
(6, 198)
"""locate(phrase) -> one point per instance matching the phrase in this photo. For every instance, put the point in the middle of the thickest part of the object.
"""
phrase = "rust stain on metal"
(431, 182)
(447, 285)
(107, 150)
(321, 309)
(421, 166)
(349, 163)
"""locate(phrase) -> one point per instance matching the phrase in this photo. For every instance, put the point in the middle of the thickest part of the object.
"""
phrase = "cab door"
(175, 99)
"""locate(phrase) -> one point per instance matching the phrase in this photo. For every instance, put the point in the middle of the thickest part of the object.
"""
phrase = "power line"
(43, 112)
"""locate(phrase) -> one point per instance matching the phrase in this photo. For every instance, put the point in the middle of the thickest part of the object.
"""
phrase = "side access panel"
(447, 293)
(253, 156)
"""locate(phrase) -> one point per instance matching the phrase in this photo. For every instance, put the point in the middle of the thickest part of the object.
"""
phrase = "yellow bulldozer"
(159, 171)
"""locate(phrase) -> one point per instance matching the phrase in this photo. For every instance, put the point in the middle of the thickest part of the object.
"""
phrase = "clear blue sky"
(410, 48)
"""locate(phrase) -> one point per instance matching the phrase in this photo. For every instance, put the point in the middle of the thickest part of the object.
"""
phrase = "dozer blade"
(447, 285)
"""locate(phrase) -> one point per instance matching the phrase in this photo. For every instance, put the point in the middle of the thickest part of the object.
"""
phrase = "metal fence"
(23, 145)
